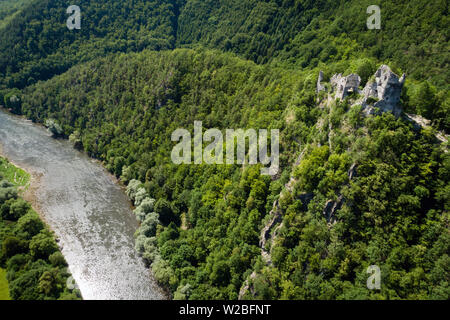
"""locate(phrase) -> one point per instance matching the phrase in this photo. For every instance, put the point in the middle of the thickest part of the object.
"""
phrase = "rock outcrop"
(265, 233)
(385, 91)
(420, 122)
(342, 86)
(320, 87)
(331, 207)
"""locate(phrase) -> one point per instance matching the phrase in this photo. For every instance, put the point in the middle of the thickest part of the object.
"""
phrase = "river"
(86, 208)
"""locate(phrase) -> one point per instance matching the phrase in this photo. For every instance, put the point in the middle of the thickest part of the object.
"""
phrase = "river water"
(88, 211)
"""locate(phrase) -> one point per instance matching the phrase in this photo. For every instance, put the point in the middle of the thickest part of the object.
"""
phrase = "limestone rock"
(320, 87)
(345, 85)
(276, 218)
(371, 90)
(331, 207)
(386, 89)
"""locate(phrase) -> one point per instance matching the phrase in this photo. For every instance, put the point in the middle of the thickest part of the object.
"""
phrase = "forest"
(294, 34)
(200, 225)
(138, 70)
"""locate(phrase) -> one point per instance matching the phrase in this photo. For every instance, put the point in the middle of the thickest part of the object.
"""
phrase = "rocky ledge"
(381, 92)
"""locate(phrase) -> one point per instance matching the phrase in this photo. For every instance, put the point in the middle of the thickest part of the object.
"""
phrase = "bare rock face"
(345, 85)
(386, 90)
(371, 90)
(331, 207)
(320, 87)
(383, 93)
(276, 218)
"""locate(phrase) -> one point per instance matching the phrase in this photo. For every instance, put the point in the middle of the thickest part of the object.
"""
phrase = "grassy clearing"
(13, 174)
(20, 179)
(4, 291)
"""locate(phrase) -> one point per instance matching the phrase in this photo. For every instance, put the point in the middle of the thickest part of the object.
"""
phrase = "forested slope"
(413, 35)
(201, 225)
(8, 8)
(36, 44)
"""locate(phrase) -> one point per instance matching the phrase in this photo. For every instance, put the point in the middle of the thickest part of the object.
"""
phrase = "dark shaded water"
(87, 210)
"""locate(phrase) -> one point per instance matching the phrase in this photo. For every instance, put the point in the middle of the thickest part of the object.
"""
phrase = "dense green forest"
(305, 33)
(138, 70)
(8, 9)
(295, 34)
(36, 269)
(37, 44)
(201, 224)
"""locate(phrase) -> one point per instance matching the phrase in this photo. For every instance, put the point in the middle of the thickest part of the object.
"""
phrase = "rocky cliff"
(382, 93)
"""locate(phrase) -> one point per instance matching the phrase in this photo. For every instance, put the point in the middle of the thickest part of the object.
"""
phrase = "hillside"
(203, 239)
(9, 8)
(310, 33)
(35, 44)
